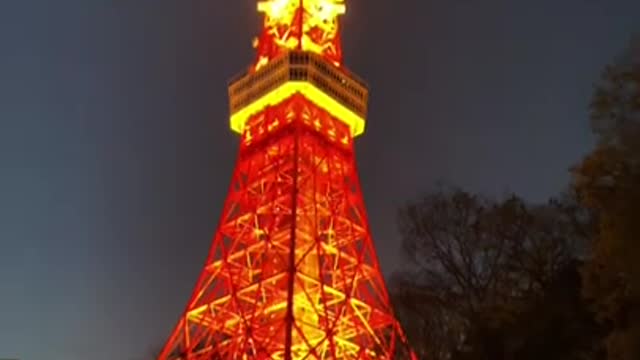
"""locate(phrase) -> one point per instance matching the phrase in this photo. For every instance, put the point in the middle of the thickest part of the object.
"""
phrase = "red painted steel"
(279, 286)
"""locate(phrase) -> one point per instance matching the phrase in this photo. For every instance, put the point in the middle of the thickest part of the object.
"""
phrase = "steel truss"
(292, 272)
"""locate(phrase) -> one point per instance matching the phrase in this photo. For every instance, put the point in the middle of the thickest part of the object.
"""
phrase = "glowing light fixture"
(355, 122)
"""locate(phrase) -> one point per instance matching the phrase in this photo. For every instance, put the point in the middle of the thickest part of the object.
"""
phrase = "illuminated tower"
(292, 272)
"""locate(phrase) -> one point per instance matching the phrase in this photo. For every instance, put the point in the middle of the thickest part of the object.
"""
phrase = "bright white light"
(273, 8)
(327, 9)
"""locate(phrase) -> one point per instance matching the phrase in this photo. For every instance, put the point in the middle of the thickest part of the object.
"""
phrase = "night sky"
(115, 154)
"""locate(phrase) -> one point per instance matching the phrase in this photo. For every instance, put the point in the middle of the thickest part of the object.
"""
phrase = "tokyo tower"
(292, 272)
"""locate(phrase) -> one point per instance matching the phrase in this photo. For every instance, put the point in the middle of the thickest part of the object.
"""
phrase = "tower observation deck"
(292, 271)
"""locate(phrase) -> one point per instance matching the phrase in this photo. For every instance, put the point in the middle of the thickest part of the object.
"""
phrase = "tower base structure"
(292, 273)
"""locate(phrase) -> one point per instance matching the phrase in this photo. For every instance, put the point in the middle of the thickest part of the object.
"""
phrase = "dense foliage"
(481, 271)
(608, 183)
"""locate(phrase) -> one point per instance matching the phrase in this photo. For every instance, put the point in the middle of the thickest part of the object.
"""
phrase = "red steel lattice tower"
(292, 272)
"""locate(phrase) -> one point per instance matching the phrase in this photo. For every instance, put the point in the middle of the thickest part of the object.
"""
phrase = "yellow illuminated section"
(355, 122)
(309, 25)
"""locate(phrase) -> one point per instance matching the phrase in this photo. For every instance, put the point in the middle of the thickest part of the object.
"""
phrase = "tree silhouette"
(608, 182)
(479, 270)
